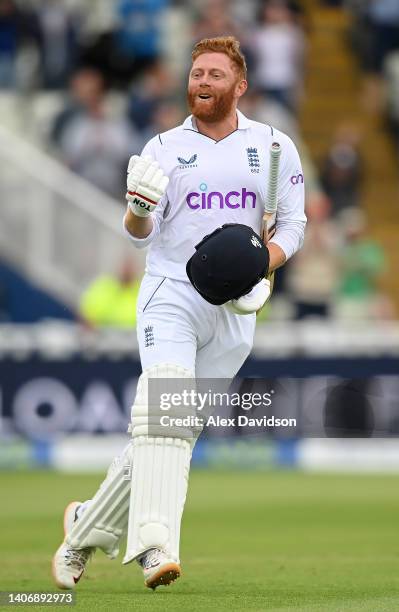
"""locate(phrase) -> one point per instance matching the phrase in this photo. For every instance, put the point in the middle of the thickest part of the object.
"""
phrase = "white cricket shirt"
(216, 182)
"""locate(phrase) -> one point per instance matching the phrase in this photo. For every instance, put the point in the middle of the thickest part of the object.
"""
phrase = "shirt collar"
(243, 122)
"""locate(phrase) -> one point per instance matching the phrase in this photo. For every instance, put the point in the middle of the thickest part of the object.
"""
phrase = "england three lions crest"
(253, 159)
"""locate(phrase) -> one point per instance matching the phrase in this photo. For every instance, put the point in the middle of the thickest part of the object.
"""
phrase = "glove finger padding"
(159, 182)
(147, 179)
(132, 162)
(136, 169)
(138, 165)
(156, 179)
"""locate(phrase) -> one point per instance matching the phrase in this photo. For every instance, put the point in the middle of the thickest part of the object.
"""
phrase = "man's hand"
(253, 301)
(146, 184)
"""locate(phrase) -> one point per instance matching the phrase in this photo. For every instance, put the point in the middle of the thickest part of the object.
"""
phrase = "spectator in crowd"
(216, 19)
(92, 140)
(15, 26)
(110, 301)
(311, 277)
(360, 32)
(300, 14)
(244, 13)
(279, 48)
(341, 172)
(222, 18)
(131, 42)
(58, 36)
(148, 92)
(138, 35)
(9, 39)
(384, 19)
(391, 74)
(361, 264)
(375, 34)
(167, 115)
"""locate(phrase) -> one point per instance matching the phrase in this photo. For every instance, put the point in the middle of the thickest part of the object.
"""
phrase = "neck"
(219, 129)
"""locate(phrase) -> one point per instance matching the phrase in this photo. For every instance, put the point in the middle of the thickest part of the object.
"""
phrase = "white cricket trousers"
(176, 325)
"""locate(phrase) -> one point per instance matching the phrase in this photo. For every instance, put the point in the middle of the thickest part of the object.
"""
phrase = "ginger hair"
(223, 44)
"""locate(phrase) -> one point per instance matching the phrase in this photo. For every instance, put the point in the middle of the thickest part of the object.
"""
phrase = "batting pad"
(161, 463)
(147, 413)
(105, 520)
(159, 488)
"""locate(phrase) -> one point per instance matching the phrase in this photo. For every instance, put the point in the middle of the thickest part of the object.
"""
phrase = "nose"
(204, 81)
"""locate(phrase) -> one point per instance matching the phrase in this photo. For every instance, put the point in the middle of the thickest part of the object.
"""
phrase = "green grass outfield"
(250, 541)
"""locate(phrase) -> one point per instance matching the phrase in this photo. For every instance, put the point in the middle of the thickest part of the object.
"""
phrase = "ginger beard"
(214, 109)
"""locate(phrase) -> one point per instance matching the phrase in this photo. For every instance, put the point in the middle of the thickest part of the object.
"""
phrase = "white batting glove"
(253, 301)
(146, 184)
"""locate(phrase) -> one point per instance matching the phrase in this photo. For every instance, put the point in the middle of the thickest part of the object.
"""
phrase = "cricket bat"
(270, 210)
(269, 215)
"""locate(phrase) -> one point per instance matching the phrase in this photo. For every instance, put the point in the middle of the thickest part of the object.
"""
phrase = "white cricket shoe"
(68, 563)
(158, 568)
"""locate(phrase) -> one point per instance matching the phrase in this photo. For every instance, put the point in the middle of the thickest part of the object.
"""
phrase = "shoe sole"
(167, 574)
(60, 585)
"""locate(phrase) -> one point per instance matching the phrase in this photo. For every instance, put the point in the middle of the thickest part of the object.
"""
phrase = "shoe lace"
(77, 559)
(150, 557)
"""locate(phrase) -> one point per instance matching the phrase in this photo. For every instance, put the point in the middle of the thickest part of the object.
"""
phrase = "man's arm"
(138, 227)
(277, 256)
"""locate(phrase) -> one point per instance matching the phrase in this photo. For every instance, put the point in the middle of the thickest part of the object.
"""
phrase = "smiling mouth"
(204, 96)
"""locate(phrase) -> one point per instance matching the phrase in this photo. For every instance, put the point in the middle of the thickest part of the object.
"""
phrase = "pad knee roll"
(162, 406)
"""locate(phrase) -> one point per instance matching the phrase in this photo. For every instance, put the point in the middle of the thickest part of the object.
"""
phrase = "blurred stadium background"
(83, 85)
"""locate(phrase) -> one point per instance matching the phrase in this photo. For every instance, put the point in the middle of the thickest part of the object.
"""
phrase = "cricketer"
(196, 198)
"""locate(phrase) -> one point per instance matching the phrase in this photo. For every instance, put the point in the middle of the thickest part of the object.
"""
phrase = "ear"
(241, 88)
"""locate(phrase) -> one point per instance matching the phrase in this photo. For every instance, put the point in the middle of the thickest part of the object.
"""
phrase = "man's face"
(214, 87)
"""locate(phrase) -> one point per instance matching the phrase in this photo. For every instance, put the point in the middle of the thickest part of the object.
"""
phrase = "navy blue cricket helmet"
(227, 263)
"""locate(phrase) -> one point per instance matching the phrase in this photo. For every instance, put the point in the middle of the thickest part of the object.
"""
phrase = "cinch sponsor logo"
(297, 179)
(216, 199)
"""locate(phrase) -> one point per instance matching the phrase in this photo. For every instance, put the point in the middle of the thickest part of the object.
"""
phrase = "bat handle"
(264, 232)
